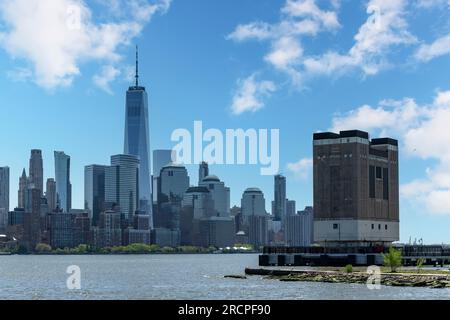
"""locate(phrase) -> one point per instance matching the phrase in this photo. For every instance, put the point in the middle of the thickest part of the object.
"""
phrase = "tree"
(349, 268)
(43, 248)
(393, 259)
(419, 264)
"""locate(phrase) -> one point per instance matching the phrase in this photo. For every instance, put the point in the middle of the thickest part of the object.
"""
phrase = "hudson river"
(171, 277)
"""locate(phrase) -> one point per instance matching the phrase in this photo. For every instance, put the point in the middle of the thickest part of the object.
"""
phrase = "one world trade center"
(137, 138)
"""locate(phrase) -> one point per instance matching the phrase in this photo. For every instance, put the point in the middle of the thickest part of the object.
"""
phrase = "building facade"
(122, 184)
(356, 189)
(137, 137)
(4, 188)
(36, 171)
(220, 194)
(63, 185)
(50, 194)
(279, 207)
(94, 191)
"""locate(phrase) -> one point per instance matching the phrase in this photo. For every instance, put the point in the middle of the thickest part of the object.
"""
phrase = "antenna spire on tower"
(137, 66)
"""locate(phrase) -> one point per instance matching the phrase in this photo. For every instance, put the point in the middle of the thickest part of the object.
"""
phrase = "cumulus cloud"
(439, 47)
(249, 95)
(299, 18)
(55, 37)
(107, 75)
(302, 168)
(385, 28)
(423, 132)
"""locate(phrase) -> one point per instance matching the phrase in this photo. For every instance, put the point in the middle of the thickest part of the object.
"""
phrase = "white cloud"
(385, 28)
(248, 97)
(19, 74)
(57, 36)
(107, 75)
(302, 168)
(424, 133)
(439, 47)
(299, 18)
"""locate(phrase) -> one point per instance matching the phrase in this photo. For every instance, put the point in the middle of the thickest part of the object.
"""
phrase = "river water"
(120, 277)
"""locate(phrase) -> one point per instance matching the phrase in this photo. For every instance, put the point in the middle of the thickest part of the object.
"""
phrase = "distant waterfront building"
(356, 189)
(121, 184)
(165, 237)
(23, 184)
(36, 171)
(200, 200)
(50, 194)
(217, 232)
(109, 230)
(258, 230)
(290, 207)
(62, 177)
(161, 158)
(62, 230)
(94, 191)
(220, 194)
(253, 203)
(203, 172)
(279, 197)
(3, 220)
(299, 228)
(32, 218)
(137, 137)
(4, 188)
(173, 183)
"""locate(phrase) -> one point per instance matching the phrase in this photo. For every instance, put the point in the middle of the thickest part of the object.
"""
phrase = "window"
(385, 227)
(385, 184)
(379, 227)
(211, 187)
(373, 226)
(335, 226)
(372, 182)
(379, 173)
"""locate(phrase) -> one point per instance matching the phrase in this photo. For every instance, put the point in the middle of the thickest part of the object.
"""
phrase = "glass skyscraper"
(4, 188)
(122, 184)
(62, 177)
(94, 191)
(137, 137)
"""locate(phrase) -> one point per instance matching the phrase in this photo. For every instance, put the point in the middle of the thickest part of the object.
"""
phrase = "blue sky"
(300, 66)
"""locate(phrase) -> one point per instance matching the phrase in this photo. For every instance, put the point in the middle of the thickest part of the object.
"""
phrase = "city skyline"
(404, 100)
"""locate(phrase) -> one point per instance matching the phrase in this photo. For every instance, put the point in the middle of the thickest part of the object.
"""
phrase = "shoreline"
(423, 280)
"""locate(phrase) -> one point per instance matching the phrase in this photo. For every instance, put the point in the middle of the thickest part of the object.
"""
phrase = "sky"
(300, 66)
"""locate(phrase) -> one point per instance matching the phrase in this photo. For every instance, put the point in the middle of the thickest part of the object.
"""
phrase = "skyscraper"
(62, 177)
(279, 197)
(23, 183)
(36, 171)
(356, 189)
(94, 191)
(203, 172)
(253, 203)
(50, 194)
(4, 188)
(137, 136)
(122, 184)
(161, 158)
(174, 181)
(220, 194)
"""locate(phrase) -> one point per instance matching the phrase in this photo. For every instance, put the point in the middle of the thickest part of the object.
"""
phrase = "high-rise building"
(290, 207)
(4, 188)
(63, 185)
(279, 197)
(173, 183)
(217, 232)
(32, 218)
(161, 158)
(137, 136)
(203, 172)
(201, 202)
(36, 170)
(94, 191)
(299, 228)
(220, 194)
(122, 184)
(356, 189)
(50, 194)
(253, 203)
(258, 230)
(23, 183)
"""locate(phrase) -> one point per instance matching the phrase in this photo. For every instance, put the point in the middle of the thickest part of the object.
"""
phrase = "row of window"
(336, 226)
